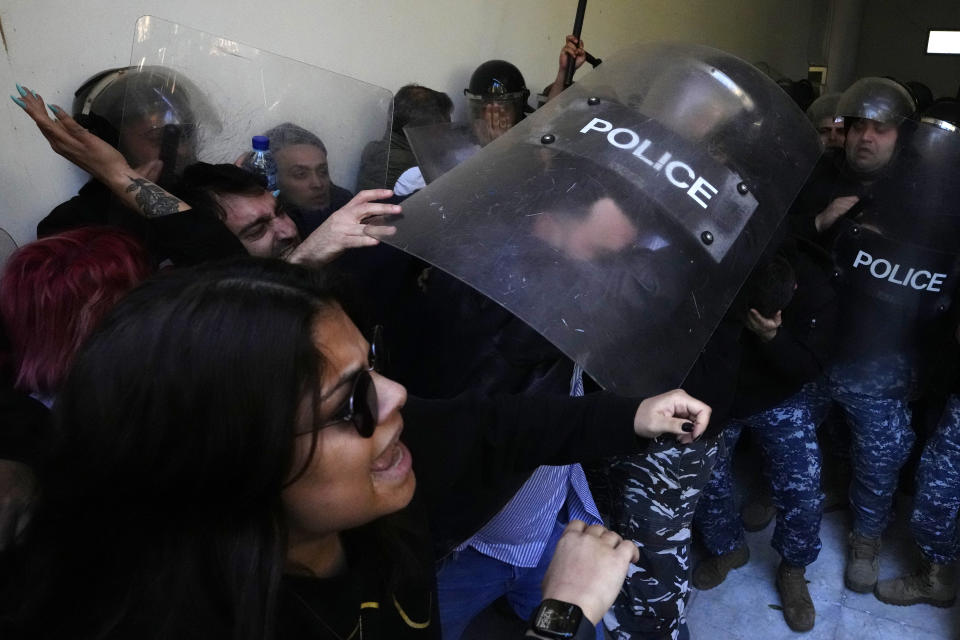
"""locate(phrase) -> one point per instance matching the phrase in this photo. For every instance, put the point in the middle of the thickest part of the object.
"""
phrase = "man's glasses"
(362, 405)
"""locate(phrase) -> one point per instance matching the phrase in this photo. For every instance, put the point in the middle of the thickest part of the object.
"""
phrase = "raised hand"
(346, 229)
(99, 159)
(69, 139)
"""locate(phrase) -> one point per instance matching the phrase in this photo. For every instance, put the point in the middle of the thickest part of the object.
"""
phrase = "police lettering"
(881, 269)
(678, 173)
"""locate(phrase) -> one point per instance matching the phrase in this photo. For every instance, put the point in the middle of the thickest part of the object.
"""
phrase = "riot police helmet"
(822, 112)
(944, 113)
(874, 110)
(878, 99)
(823, 107)
(132, 107)
(497, 81)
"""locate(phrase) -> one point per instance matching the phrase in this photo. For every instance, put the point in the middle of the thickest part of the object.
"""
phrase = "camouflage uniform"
(787, 436)
(937, 501)
(873, 393)
(655, 496)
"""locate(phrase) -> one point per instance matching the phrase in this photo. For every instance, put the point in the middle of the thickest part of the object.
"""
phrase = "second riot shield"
(246, 92)
(897, 252)
(442, 146)
(621, 218)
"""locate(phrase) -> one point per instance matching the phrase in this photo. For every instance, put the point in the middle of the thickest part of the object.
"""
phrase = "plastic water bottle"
(261, 162)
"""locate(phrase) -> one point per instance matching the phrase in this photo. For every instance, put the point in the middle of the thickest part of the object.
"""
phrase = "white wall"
(53, 45)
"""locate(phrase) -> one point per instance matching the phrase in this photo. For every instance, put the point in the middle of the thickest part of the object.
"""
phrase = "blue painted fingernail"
(52, 108)
(23, 105)
(23, 92)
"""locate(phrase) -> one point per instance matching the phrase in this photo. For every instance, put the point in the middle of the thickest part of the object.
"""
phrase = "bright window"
(943, 42)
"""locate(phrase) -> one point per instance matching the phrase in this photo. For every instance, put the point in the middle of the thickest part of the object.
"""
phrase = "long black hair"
(160, 514)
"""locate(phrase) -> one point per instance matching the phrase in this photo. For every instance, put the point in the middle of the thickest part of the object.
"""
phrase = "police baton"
(577, 28)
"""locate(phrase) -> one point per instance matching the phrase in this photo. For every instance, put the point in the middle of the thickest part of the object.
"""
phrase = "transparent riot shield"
(899, 246)
(250, 92)
(621, 218)
(442, 146)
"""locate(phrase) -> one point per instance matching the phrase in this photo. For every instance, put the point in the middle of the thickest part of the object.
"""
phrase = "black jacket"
(185, 238)
(470, 456)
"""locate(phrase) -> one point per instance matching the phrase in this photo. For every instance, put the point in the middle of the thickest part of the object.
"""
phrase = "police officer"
(933, 522)
(785, 348)
(655, 495)
(153, 115)
(823, 114)
(873, 212)
(497, 97)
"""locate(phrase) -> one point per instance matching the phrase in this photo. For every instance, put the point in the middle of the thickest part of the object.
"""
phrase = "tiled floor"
(743, 607)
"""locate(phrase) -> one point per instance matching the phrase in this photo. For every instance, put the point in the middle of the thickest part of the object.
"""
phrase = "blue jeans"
(468, 582)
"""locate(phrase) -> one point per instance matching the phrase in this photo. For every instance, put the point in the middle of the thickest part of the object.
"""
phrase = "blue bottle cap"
(261, 143)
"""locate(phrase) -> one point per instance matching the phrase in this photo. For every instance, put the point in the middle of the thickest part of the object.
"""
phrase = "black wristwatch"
(561, 620)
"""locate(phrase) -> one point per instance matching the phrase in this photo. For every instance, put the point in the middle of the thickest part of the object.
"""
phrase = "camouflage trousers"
(654, 497)
(788, 441)
(873, 395)
(937, 501)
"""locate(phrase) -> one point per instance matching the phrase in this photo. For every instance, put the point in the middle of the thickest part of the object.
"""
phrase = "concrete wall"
(53, 45)
(893, 38)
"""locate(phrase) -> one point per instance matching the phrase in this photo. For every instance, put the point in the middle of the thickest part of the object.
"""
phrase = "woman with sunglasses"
(227, 464)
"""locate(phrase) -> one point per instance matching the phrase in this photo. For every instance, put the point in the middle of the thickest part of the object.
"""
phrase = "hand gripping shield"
(621, 218)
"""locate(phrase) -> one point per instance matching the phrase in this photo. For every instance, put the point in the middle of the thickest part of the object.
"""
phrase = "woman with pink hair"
(52, 294)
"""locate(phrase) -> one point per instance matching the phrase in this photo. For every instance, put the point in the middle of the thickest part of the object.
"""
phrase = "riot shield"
(900, 245)
(621, 218)
(442, 146)
(251, 92)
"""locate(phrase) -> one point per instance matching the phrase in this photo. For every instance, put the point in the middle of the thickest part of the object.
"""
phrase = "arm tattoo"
(152, 200)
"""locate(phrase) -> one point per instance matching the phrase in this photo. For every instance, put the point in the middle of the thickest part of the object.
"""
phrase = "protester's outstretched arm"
(99, 159)
(587, 571)
(674, 412)
(345, 229)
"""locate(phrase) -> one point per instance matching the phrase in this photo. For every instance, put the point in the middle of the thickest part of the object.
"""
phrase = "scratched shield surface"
(250, 91)
(621, 218)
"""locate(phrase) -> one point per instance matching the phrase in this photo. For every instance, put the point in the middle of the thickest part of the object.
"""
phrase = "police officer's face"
(870, 145)
(831, 132)
(260, 224)
(303, 176)
(605, 230)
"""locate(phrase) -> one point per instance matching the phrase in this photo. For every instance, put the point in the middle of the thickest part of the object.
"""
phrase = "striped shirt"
(518, 534)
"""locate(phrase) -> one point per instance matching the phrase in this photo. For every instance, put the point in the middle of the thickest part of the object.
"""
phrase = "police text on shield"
(678, 173)
(881, 269)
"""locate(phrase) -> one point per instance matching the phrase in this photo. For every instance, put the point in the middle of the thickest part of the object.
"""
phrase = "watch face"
(556, 619)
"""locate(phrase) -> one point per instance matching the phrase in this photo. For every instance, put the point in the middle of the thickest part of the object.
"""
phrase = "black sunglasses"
(362, 405)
